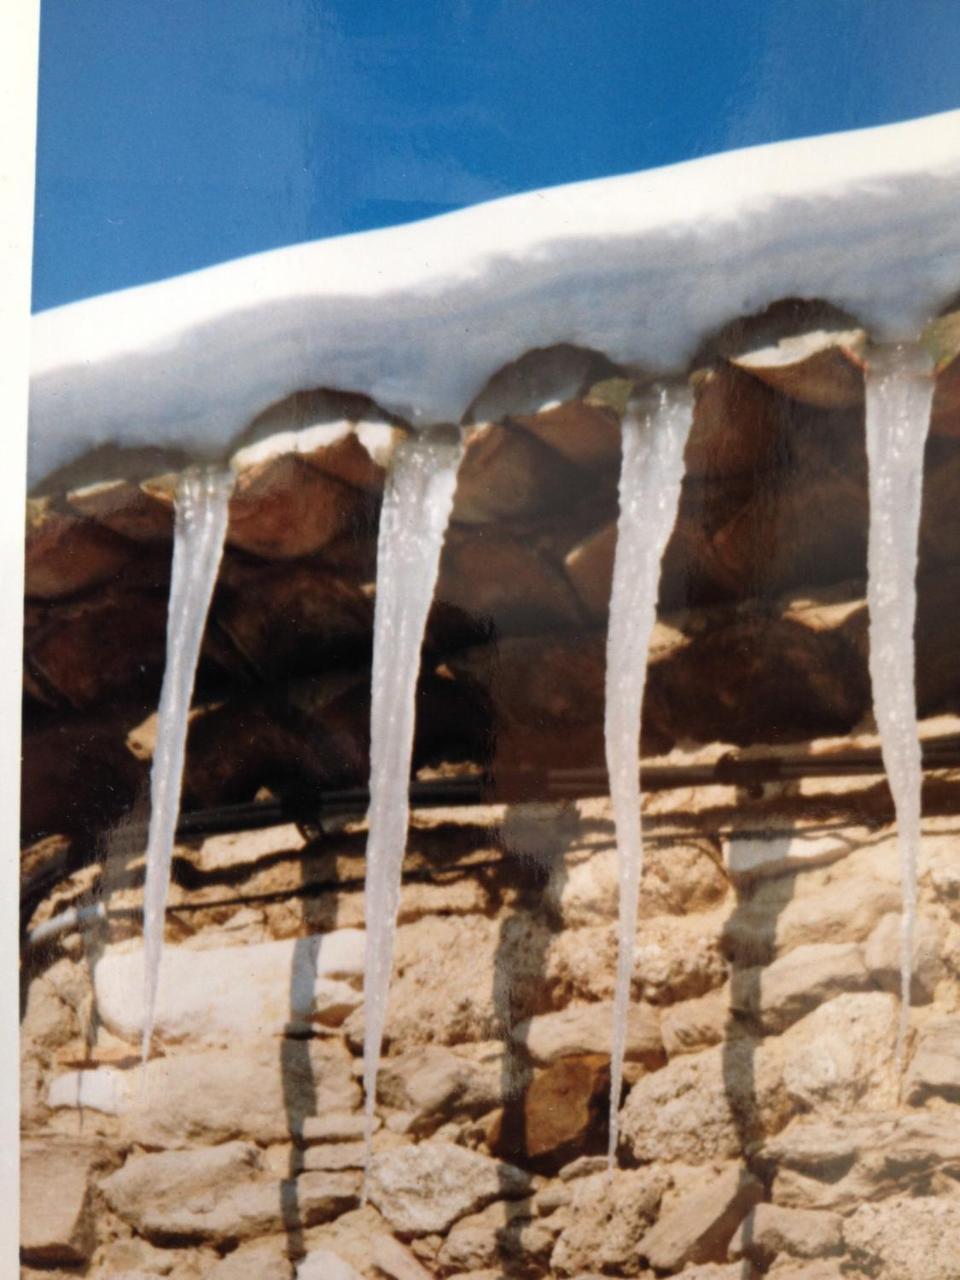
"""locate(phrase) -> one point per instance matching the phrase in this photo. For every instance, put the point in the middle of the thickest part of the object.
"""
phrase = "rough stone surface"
(935, 1068)
(219, 1193)
(772, 1229)
(780, 993)
(502, 1233)
(882, 956)
(606, 1217)
(698, 1226)
(282, 1083)
(706, 1106)
(432, 1083)
(839, 1162)
(563, 1110)
(693, 1025)
(842, 1053)
(56, 1220)
(919, 1238)
(214, 996)
(586, 1029)
(423, 1189)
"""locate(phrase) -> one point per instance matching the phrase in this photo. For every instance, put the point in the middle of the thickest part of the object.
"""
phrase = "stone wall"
(761, 1128)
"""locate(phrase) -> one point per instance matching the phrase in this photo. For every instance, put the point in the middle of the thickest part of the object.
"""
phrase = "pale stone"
(915, 1237)
(783, 991)
(698, 1226)
(102, 1089)
(701, 1107)
(395, 1261)
(837, 1163)
(771, 1229)
(774, 920)
(321, 1264)
(841, 1055)
(264, 1090)
(882, 954)
(935, 1069)
(426, 1188)
(432, 1083)
(502, 1232)
(747, 853)
(335, 1156)
(215, 996)
(343, 1127)
(56, 1222)
(236, 849)
(219, 1193)
(255, 1261)
(608, 1214)
(588, 1028)
(697, 1024)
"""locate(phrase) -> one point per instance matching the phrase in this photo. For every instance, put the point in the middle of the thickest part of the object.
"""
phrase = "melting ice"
(651, 472)
(899, 394)
(413, 521)
(201, 508)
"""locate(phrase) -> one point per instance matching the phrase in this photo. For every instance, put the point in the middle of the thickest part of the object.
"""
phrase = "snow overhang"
(641, 268)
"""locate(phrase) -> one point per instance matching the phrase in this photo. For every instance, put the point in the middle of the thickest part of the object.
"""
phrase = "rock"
(781, 992)
(841, 1055)
(334, 1156)
(294, 619)
(426, 1188)
(506, 584)
(588, 1029)
(284, 508)
(772, 1229)
(222, 994)
(776, 919)
(102, 1089)
(837, 1163)
(219, 1193)
(748, 855)
(589, 568)
(827, 1269)
(698, 1226)
(142, 512)
(66, 554)
(935, 1068)
(255, 1260)
(563, 1111)
(321, 1264)
(395, 1261)
(201, 1096)
(56, 1219)
(607, 1216)
(705, 1106)
(101, 650)
(915, 1237)
(507, 472)
(697, 1024)
(501, 1233)
(433, 1084)
(882, 955)
(343, 1127)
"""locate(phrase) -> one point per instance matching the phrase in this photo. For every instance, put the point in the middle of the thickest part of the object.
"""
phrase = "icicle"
(413, 521)
(201, 508)
(899, 394)
(651, 472)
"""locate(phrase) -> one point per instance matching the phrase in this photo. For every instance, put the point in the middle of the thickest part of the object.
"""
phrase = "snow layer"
(640, 267)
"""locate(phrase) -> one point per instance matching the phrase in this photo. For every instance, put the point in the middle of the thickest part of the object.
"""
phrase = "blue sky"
(185, 132)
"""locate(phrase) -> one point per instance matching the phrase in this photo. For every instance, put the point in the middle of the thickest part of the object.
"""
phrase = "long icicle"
(201, 510)
(651, 472)
(413, 521)
(899, 396)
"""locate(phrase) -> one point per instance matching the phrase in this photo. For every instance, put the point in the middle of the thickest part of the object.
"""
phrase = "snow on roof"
(640, 267)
